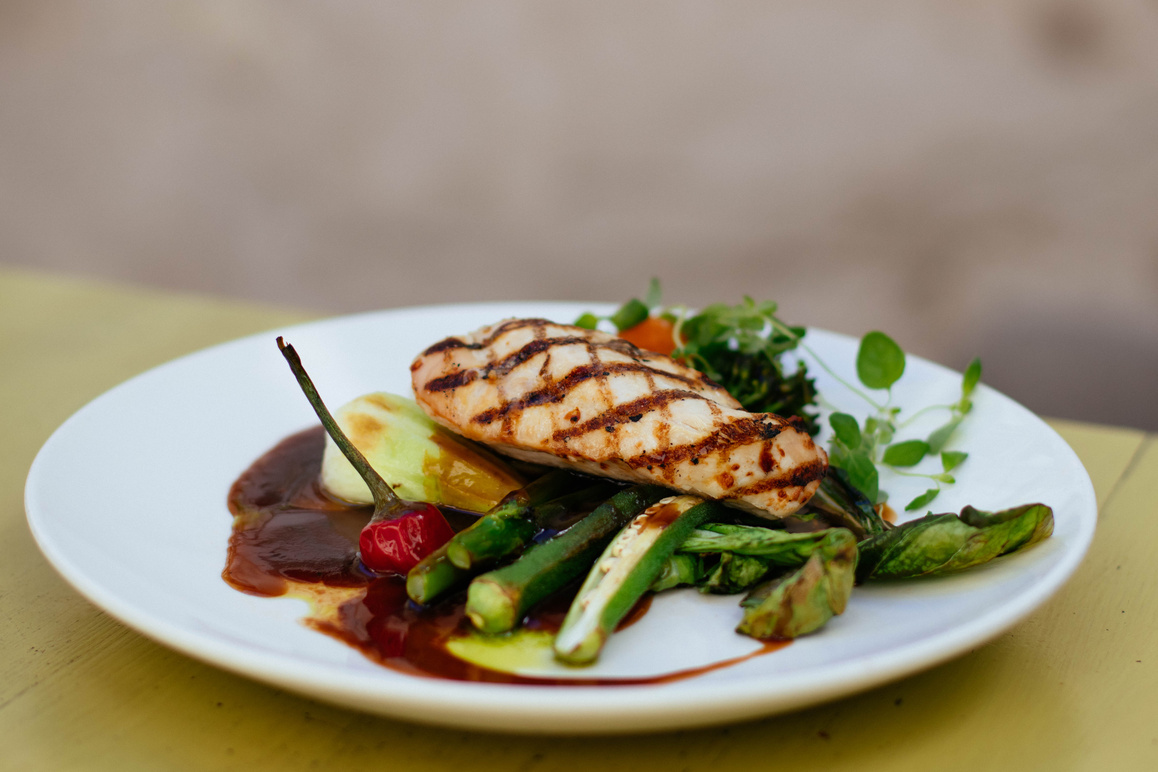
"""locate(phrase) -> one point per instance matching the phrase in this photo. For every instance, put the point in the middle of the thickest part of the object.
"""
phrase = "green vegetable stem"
(679, 571)
(497, 601)
(514, 521)
(434, 576)
(940, 544)
(845, 504)
(733, 573)
(778, 548)
(503, 532)
(732, 558)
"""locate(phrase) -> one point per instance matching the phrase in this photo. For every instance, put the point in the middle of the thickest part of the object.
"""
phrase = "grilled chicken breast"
(585, 400)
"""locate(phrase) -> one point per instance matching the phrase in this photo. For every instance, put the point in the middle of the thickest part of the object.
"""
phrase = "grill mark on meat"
(557, 391)
(508, 363)
(538, 345)
(540, 335)
(767, 463)
(602, 382)
(452, 343)
(799, 477)
(742, 431)
(628, 411)
(663, 428)
(455, 380)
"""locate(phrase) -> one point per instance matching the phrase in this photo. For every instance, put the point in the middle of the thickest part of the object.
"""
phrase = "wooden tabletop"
(1073, 687)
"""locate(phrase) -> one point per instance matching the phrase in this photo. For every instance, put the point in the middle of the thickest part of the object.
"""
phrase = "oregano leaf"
(951, 459)
(862, 473)
(922, 500)
(846, 430)
(971, 379)
(654, 294)
(907, 453)
(880, 362)
(941, 435)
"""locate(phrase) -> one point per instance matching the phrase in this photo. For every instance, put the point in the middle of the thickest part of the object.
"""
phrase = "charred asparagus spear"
(628, 567)
(847, 506)
(498, 601)
(729, 558)
(779, 548)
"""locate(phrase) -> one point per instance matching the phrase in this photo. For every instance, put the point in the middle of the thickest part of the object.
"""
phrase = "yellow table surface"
(1073, 687)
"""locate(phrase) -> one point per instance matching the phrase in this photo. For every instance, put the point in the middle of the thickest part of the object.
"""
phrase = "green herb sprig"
(859, 451)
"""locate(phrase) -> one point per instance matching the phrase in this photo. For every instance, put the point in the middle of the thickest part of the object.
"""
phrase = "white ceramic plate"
(127, 500)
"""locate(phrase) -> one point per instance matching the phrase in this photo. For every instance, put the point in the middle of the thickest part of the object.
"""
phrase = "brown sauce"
(289, 537)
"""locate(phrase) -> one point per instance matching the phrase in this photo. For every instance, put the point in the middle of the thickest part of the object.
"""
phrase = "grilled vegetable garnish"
(802, 601)
(585, 400)
(942, 544)
(420, 459)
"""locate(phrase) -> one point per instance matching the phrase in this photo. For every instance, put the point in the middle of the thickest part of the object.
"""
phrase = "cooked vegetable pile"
(619, 542)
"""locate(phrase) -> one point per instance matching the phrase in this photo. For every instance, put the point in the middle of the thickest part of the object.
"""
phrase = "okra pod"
(434, 576)
(497, 601)
(628, 567)
(511, 525)
(679, 571)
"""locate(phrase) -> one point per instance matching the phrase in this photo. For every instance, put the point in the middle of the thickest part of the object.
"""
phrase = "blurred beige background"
(972, 176)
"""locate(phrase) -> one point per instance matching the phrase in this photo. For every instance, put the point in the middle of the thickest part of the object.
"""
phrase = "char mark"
(798, 477)
(628, 412)
(452, 381)
(452, 343)
(557, 391)
(742, 431)
(539, 345)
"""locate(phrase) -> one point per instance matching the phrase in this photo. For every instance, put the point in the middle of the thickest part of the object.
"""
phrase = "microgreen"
(880, 363)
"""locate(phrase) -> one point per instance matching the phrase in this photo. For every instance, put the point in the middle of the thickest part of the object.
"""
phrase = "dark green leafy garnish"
(941, 544)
